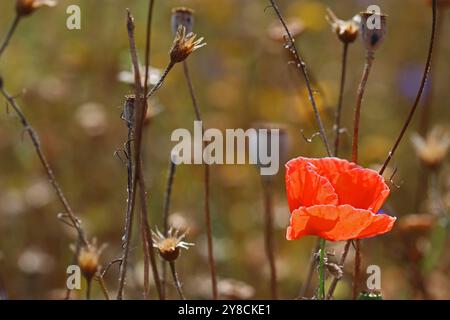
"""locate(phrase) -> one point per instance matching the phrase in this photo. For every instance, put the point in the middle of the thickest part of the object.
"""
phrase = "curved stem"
(176, 280)
(337, 124)
(419, 93)
(301, 65)
(9, 34)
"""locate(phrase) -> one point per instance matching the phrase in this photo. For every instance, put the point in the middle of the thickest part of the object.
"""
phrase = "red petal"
(361, 188)
(305, 187)
(337, 223)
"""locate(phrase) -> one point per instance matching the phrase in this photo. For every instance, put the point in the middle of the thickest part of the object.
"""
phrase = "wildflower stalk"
(211, 260)
(321, 293)
(138, 176)
(337, 123)
(10, 33)
(176, 280)
(129, 212)
(360, 95)
(269, 245)
(419, 93)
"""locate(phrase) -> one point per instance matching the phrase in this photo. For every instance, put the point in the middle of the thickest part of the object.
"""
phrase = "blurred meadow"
(67, 85)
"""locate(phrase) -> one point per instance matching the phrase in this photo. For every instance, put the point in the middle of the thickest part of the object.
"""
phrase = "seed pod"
(182, 16)
(373, 29)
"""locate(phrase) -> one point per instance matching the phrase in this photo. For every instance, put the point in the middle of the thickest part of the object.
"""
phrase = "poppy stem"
(419, 93)
(337, 124)
(321, 293)
(335, 280)
(211, 260)
(361, 90)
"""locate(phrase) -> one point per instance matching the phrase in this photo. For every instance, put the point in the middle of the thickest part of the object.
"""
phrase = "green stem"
(321, 295)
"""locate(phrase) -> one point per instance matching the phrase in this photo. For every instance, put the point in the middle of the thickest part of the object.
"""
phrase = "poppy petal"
(337, 223)
(359, 187)
(305, 187)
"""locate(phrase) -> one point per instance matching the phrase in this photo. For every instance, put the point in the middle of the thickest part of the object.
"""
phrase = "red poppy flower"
(335, 199)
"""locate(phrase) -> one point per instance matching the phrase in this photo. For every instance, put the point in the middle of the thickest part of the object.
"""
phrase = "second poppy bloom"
(335, 199)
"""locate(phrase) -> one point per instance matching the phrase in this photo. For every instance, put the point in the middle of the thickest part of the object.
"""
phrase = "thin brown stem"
(101, 281)
(138, 176)
(337, 123)
(419, 93)
(9, 34)
(301, 65)
(129, 212)
(211, 260)
(335, 280)
(88, 289)
(357, 269)
(268, 237)
(359, 99)
(176, 280)
(74, 221)
(311, 268)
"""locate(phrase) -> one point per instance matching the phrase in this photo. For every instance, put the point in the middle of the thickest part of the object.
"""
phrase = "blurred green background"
(69, 89)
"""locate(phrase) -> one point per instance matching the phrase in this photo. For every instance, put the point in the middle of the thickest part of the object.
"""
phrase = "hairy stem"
(321, 293)
(301, 65)
(209, 232)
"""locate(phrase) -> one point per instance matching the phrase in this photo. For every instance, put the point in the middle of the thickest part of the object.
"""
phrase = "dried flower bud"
(433, 149)
(88, 260)
(169, 246)
(347, 31)
(183, 45)
(27, 7)
(373, 29)
(184, 17)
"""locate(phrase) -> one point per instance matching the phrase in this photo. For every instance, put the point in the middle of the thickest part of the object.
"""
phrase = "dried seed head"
(27, 7)
(373, 29)
(347, 31)
(169, 246)
(184, 17)
(88, 260)
(183, 45)
(433, 149)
